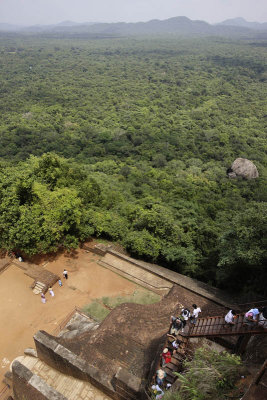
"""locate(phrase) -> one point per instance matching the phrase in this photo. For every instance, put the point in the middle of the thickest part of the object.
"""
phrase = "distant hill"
(9, 27)
(177, 25)
(241, 22)
(68, 23)
(62, 26)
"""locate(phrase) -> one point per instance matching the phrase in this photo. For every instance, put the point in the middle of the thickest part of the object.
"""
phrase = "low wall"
(127, 386)
(124, 387)
(202, 289)
(4, 263)
(27, 385)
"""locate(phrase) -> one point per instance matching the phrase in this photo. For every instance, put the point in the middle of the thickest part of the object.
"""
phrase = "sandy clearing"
(22, 313)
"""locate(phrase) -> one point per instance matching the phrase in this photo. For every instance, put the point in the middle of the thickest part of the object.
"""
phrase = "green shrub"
(207, 377)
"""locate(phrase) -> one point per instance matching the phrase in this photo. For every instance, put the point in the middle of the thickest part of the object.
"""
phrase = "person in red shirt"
(166, 356)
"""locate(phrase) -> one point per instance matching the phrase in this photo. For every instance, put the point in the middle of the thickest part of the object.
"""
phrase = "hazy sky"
(29, 12)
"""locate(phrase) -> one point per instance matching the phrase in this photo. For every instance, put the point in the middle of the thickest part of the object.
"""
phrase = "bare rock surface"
(77, 325)
(244, 168)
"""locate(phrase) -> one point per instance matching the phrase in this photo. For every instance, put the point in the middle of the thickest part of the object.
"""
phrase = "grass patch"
(140, 296)
(100, 308)
(96, 311)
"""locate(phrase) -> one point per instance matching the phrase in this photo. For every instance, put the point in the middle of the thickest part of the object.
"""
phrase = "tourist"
(195, 313)
(185, 315)
(60, 282)
(175, 344)
(65, 274)
(165, 357)
(176, 325)
(51, 292)
(230, 317)
(160, 376)
(43, 299)
(168, 386)
(157, 392)
(252, 317)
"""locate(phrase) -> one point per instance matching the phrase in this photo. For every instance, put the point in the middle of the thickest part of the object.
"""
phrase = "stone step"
(170, 378)
(40, 289)
(178, 356)
(37, 291)
(171, 366)
(40, 284)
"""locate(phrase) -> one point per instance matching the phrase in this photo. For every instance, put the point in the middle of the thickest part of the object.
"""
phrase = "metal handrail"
(235, 324)
(147, 394)
(65, 320)
(3, 391)
(199, 327)
(214, 325)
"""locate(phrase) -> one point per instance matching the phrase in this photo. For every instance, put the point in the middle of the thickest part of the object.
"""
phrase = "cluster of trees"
(130, 140)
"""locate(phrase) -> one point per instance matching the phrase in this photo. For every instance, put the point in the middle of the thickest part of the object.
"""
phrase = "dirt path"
(22, 314)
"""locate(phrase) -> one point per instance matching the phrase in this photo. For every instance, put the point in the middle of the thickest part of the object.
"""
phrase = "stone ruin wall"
(124, 385)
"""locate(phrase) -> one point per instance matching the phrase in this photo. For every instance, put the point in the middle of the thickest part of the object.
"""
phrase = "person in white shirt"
(185, 314)
(65, 274)
(230, 317)
(195, 313)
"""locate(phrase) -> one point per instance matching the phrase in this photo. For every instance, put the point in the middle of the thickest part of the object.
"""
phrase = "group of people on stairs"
(177, 325)
(253, 317)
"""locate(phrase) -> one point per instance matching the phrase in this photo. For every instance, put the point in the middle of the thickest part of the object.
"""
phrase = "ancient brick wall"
(62, 359)
(27, 386)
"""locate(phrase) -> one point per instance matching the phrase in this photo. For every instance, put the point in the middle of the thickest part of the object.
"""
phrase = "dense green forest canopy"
(130, 140)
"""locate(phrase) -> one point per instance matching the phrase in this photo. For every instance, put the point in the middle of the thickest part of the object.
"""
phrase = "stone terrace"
(129, 337)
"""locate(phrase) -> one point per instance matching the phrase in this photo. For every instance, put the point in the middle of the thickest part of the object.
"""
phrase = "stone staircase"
(39, 287)
(206, 327)
(43, 278)
(175, 365)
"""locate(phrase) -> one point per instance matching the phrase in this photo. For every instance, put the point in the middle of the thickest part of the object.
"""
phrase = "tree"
(142, 244)
(243, 250)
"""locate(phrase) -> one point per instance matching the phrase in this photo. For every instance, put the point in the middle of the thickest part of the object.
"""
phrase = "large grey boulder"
(244, 168)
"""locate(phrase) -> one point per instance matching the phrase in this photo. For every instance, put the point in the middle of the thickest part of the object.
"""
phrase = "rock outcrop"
(244, 168)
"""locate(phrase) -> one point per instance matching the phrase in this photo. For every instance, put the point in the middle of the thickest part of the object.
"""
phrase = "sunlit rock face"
(244, 168)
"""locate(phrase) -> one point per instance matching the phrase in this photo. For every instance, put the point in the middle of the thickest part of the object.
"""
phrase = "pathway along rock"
(244, 168)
